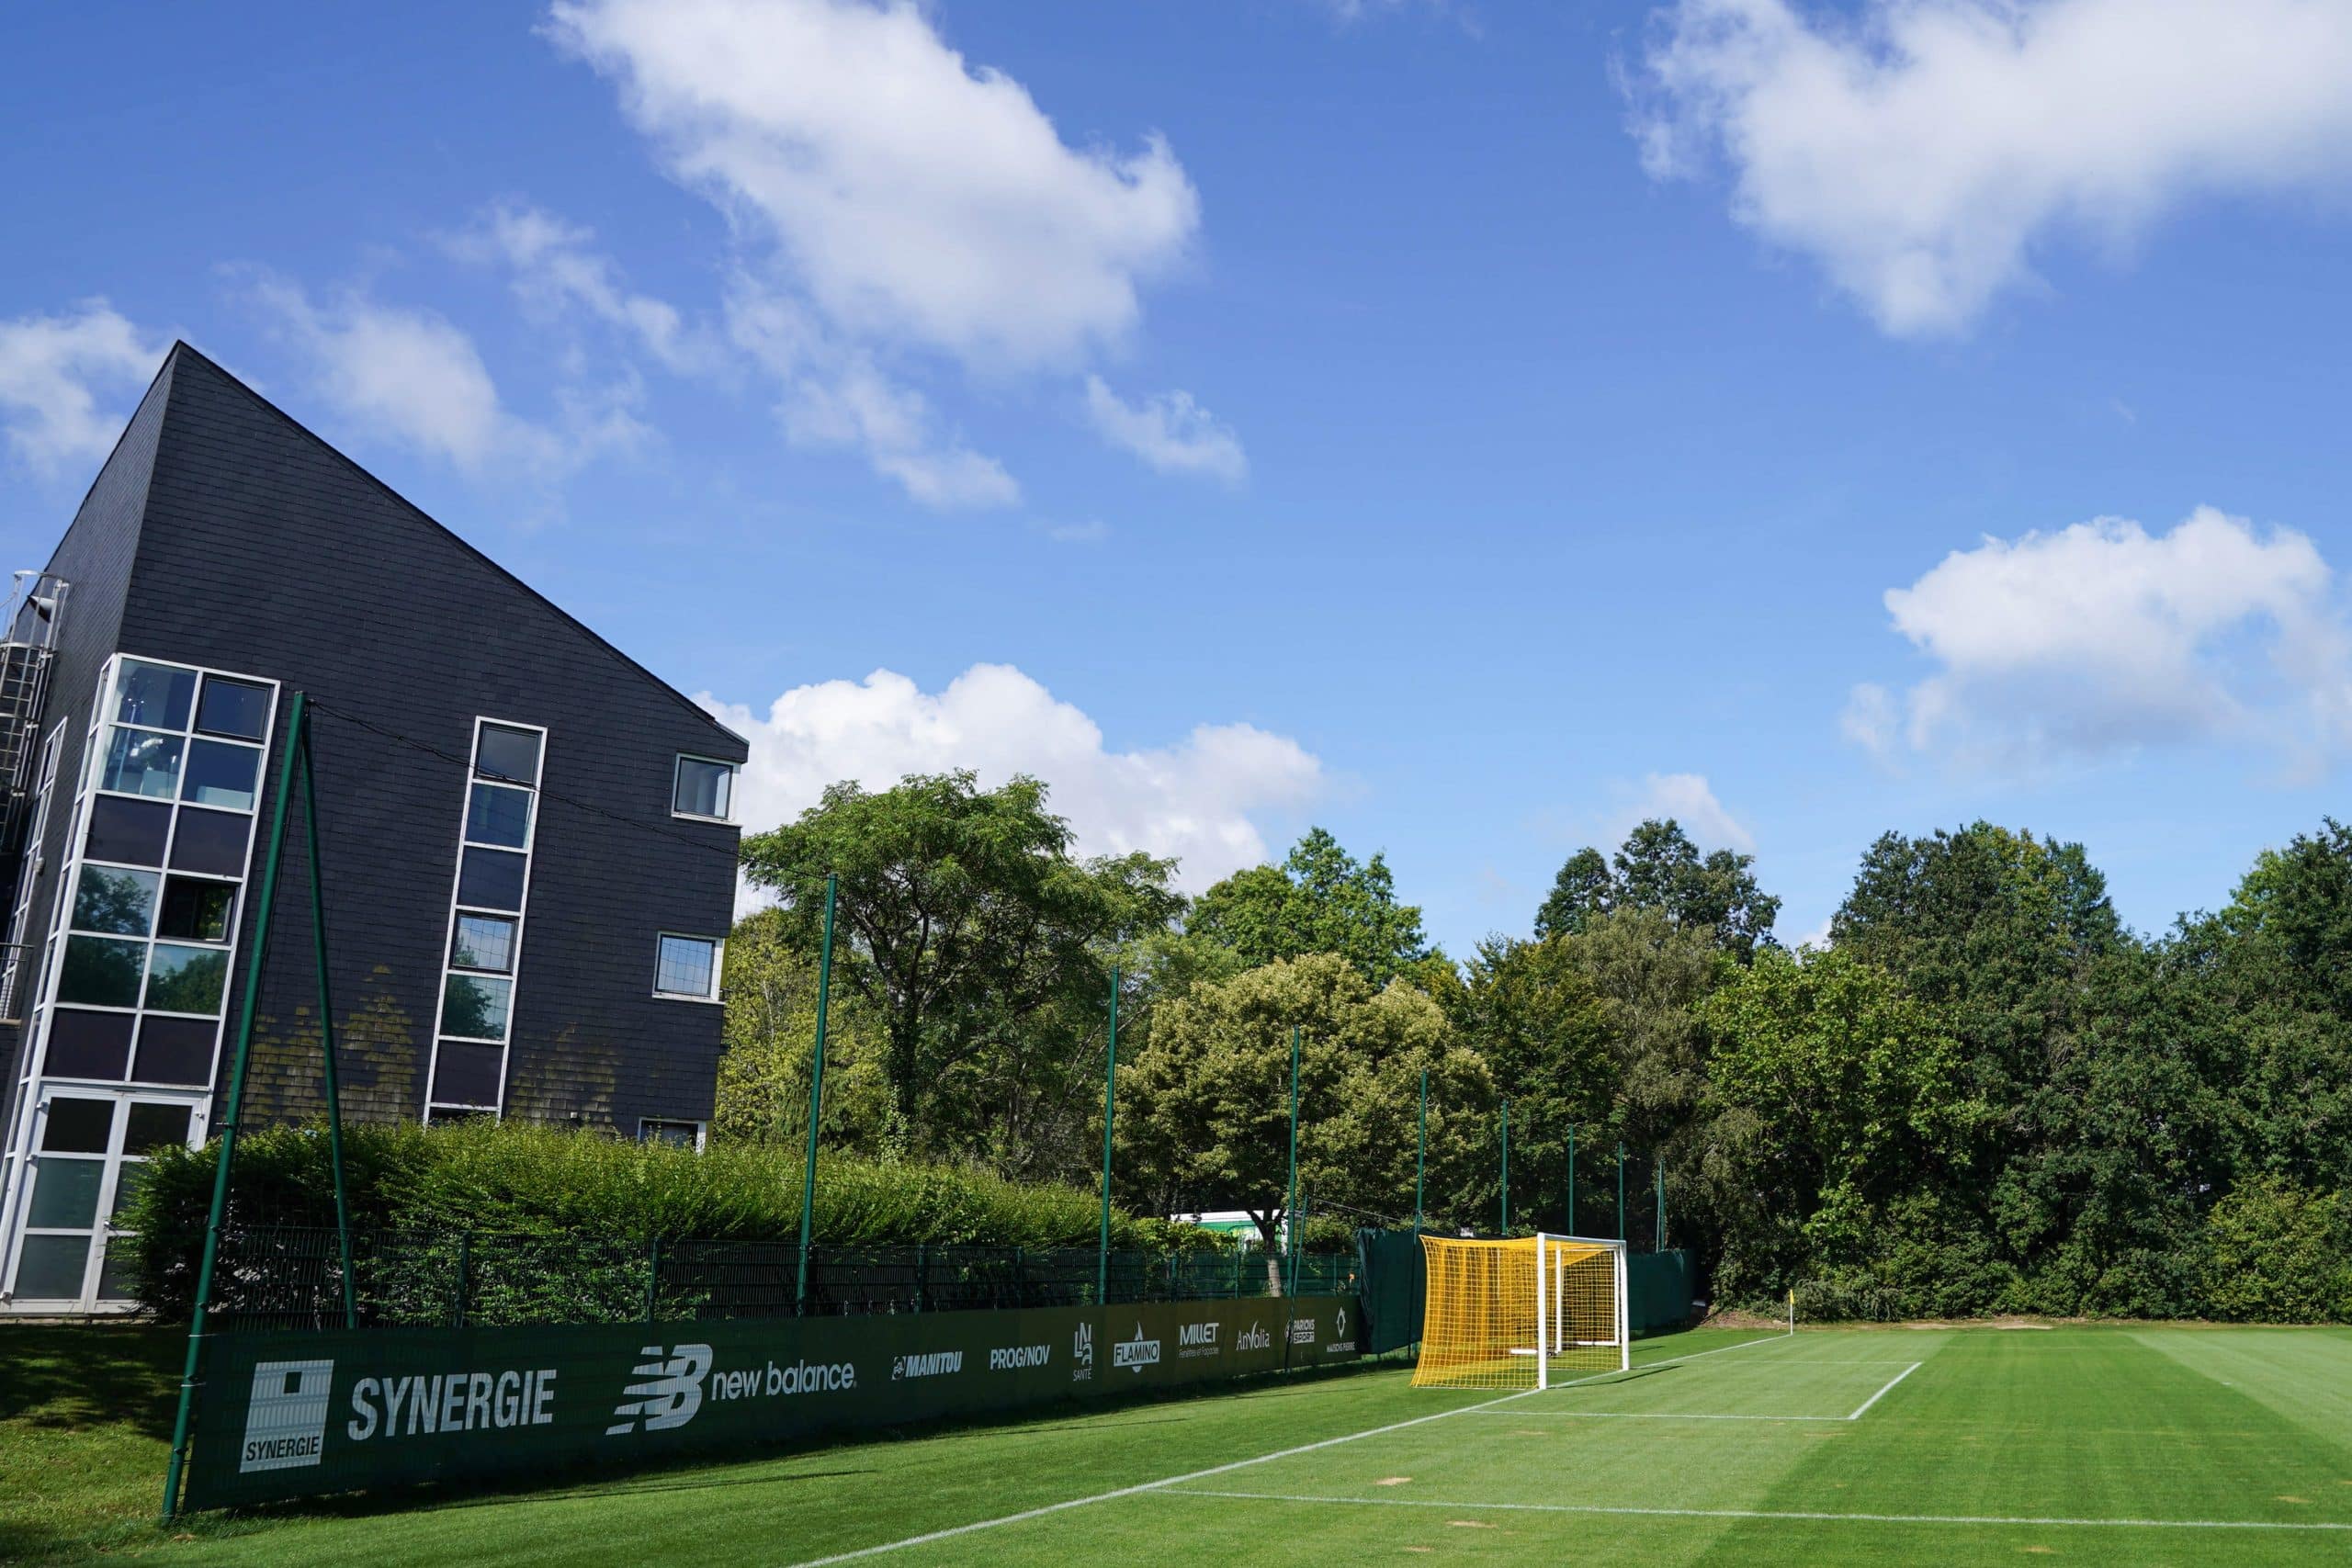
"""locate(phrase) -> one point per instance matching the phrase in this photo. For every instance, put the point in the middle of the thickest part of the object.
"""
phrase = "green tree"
(769, 989)
(1204, 1106)
(1535, 1013)
(1320, 900)
(1837, 1102)
(977, 941)
(1658, 868)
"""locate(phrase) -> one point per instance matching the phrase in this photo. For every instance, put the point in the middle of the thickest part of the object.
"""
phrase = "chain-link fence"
(290, 1277)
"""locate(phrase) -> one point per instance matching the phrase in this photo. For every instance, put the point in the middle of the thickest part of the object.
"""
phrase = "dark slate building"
(528, 839)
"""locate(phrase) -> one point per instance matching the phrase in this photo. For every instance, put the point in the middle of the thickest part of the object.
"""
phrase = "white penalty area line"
(1785, 1514)
(1865, 1407)
(1025, 1514)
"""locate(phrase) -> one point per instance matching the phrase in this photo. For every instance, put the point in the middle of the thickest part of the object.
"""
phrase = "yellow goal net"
(1522, 1313)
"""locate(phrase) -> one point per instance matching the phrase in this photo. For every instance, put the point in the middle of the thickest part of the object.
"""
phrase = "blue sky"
(1469, 427)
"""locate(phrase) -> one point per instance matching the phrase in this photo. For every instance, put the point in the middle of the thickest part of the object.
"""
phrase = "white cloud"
(1169, 431)
(1195, 799)
(1922, 150)
(52, 369)
(1691, 801)
(555, 268)
(893, 206)
(2101, 638)
(916, 198)
(413, 374)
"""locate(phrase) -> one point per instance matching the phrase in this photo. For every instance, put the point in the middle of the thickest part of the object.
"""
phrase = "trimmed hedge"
(518, 1181)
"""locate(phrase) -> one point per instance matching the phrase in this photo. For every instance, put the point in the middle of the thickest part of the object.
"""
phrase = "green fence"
(289, 1416)
(1658, 1288)
(290, 1278)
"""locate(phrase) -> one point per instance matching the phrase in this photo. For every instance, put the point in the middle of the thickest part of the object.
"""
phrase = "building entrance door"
(89, 1148)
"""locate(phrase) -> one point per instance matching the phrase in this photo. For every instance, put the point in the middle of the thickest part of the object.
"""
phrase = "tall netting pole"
(1290, 1201)
(207, 1266)
(1621, 1190)
(1110, 1088)
(1661, 1205)
(1506, 1175)
(1422, 1153)
(1572, 1178)
(816, 1096)
(326, 1028)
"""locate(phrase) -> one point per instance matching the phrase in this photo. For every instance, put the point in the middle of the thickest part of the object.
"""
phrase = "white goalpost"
(1527, 1313)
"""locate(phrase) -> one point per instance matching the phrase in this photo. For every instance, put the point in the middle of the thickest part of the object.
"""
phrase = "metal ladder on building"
(36, 605)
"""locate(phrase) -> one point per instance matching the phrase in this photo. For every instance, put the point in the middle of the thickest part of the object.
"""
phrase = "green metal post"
(1110, 1088)
(326, 1025)
(816, 1096)
(1422, 1153)
(1506, 1230)
(1290, 1203)
(191, 1378)
(1661, 1205)
(1572, 1178)
(1620, 1190)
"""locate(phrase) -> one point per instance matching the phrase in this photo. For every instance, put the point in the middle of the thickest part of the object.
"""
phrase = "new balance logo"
(668, 1393)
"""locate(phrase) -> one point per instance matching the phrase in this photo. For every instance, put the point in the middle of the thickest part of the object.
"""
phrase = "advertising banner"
(296, 1415)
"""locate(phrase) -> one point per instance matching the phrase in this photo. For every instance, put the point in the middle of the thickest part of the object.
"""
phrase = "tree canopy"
(1320, 900)
(1657, 868)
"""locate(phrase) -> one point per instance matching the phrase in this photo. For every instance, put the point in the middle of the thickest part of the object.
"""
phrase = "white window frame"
(718, 969)
(513, 974)
(702, 1129)
(734, 777)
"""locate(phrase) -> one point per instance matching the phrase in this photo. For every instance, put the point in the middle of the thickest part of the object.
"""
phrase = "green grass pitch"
(2112, 1445)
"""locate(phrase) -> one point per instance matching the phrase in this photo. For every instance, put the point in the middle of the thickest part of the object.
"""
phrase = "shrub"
(2278, 1253)
(595, 1193)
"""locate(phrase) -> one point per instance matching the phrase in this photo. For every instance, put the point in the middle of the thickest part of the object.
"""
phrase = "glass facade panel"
(705, 789)
(498, 814)
(505, 754)
(197, 911)
(49, 1267)
(101, 972)
(65, 1192)
(140, 762)
(490, 879)
(466, 1075)
(175, 1050)
(220, 773)
(483, 941)
(118, 902)
(153, 1126)
(211, 841)
(688, 967)
(233, 707)
(474, 1006)
(133, 832)
(78, 1126)
(117, 1283)
(153, 694)
(186, 979)
(89, 1044)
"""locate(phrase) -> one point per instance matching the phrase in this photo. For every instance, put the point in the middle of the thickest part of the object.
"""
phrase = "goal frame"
(1544, 1349)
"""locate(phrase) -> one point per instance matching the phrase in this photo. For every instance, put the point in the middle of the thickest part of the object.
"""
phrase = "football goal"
(1526, 1313)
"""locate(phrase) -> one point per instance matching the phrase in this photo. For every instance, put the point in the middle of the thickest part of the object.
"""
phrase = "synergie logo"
(286, 1422)
(669, 1394)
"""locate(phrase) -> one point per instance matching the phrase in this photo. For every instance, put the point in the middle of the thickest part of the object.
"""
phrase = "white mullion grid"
(87, 790)
(520, 916)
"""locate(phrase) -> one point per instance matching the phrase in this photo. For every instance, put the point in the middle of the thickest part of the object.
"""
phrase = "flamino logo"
(669, 1391)
(286, 1421)
(1136, 1354)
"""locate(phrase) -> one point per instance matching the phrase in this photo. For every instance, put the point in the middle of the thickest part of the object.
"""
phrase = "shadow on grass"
(81, 1376)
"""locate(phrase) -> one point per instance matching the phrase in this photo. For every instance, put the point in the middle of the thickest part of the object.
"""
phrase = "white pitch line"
(1648, 1416)
(1037, 1513)
(1796, 1514)
(1874, 1399)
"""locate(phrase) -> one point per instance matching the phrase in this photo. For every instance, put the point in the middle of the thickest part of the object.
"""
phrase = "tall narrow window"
(496, 830)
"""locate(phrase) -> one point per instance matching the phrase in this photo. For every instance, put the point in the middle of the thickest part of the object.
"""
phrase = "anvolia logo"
(1257, 1337)
(1136, 1354)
